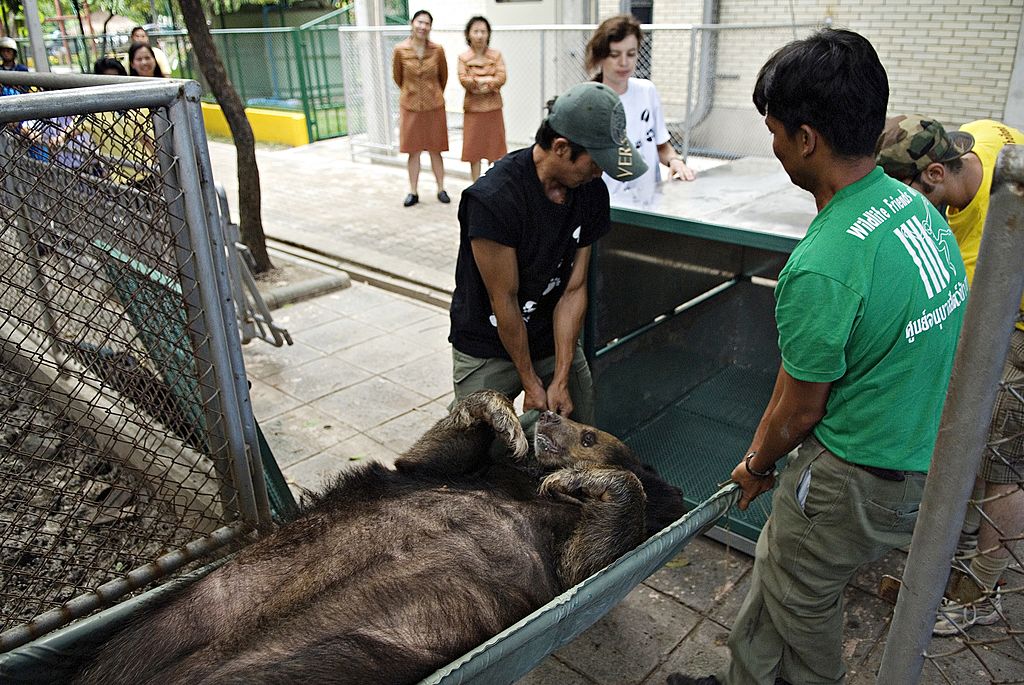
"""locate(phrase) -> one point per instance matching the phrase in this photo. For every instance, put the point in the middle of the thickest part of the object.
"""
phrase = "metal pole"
(35, 36)
(988, 323)
(203, 240)
(694, 33)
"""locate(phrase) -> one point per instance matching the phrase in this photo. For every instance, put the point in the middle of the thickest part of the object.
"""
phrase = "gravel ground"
(70, 517)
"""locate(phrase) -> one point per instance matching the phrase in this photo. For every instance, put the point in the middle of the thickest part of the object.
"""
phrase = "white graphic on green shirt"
(922, 249)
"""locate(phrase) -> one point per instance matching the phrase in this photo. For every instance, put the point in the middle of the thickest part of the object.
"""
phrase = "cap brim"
(960, 143)
(621, 163)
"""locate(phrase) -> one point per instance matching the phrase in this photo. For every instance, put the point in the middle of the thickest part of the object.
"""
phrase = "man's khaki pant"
(791, 622)
(475, 373)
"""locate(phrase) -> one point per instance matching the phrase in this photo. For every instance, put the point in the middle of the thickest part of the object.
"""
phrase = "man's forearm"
(567, 321)
(513, 336)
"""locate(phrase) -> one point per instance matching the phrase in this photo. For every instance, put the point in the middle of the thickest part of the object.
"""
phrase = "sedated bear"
(390, 574)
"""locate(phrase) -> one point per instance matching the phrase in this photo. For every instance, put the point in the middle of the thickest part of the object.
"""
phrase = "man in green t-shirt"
(869, 308)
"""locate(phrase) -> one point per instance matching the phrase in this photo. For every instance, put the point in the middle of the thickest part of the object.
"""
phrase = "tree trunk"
(250, 223)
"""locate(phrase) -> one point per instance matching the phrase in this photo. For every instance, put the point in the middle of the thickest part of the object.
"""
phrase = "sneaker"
(410, 200)
(954, 618)
(443, 197)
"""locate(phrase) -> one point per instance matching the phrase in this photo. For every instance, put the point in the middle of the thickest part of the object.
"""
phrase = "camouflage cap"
(909, 143)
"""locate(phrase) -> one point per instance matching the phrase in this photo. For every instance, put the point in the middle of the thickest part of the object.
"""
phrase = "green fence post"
(300, 64)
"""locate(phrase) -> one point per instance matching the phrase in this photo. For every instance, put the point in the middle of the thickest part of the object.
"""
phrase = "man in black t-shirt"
(526, 228)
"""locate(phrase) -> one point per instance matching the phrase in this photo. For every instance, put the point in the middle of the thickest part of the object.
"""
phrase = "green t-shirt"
(872, 300)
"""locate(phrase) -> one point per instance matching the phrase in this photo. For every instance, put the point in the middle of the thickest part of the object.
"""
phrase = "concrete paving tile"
(431, 332)
(724, 611)
(356, 299)
(632, 639)
(262, 359)
(317, 378)
(359, 449)
(430, 376)
(299, 316)
(949, 661)
(268, 401)
(551, 671)
(865, 623)
(702, 652)
(396, 314)
(703, 574)
(303, 432)
(339, 334)
(370, 403)
(399, 434)
(383, 353)
(869, 575)
(313, 473)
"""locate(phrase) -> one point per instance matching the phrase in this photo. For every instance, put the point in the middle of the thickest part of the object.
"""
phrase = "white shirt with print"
(645, 126)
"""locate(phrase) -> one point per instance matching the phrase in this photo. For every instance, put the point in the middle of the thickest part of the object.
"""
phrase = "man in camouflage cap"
(954, 171)
(909, 144)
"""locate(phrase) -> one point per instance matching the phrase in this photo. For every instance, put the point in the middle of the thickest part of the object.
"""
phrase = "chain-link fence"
(704, 74)
(289, 68)
(929, 636)
(127, 442)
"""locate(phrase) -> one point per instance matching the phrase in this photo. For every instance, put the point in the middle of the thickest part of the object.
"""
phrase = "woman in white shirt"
(611, 54)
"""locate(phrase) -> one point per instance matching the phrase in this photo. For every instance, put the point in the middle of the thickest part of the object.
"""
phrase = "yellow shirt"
(968, 223)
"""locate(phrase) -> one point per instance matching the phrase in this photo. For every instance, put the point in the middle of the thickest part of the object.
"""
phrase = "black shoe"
(443, 197)
(411, 199)
(680, 679)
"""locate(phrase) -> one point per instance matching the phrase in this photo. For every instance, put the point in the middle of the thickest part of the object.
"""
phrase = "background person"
(482, 74)
(526, 230)
(421, 72)
(139, 35)
(108, 66)
(612, 53)
(955, 170)
(141, 61)
(862, 395)
(9, 55)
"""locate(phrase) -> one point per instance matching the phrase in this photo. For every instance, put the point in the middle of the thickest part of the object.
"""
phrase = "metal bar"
(184, 246)
(241, 403)
(212, 279)
(988, 324)
(689, 304)
(84, 100)
(110, 591)
(689, 94)
(49, 653)
(300, 65)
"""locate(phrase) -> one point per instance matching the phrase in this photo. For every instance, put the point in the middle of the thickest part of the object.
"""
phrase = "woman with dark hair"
(611, 55)
(108, 66)
(142, 61)
(421, 72)
(482, 74)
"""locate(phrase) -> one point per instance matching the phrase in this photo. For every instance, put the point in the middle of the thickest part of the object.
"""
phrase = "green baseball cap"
(909, 143)
(590, 114)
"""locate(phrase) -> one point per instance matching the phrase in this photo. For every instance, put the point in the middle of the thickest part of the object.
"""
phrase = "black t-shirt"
(508, 205)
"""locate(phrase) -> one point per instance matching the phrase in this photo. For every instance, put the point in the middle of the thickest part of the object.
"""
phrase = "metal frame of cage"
(206, 310)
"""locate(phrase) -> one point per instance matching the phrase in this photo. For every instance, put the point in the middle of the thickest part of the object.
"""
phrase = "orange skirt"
(483, 136)
(419, 131)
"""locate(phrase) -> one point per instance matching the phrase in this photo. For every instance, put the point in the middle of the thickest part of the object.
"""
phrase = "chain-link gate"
(127, 442)
(988, 372)
(704, 75)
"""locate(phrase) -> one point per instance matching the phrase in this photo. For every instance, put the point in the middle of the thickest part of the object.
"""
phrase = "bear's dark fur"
(391, 574)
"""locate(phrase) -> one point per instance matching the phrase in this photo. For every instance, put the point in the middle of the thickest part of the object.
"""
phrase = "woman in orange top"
(421, 72)
(482, 74)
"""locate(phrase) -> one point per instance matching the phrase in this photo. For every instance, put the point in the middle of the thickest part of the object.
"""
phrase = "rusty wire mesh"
(112, 448)
(997, 641)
